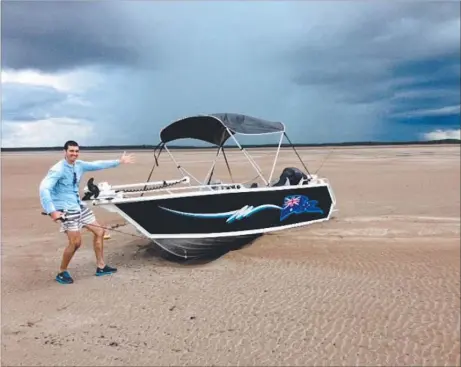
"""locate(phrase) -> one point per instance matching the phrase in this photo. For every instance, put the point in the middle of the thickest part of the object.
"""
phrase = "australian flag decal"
(297, 204)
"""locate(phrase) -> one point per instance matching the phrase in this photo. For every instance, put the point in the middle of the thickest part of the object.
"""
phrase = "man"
(59, 194)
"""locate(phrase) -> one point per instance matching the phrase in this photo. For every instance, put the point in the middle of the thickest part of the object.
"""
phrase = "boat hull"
(203, 248)
(229, 213)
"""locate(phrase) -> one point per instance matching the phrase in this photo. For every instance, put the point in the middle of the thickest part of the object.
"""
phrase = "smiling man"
(59, 195)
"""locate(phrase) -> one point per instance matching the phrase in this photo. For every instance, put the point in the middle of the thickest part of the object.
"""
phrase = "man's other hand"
(56, 215)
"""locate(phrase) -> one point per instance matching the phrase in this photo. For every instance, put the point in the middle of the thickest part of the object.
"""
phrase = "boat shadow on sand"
(190, 251)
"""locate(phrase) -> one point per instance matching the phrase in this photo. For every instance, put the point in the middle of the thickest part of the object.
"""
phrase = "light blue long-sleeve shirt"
(58, 191)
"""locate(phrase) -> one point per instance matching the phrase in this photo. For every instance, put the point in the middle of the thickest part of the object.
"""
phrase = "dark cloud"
(396, 58)
(432, 83)
(363, 54)
(57, 35)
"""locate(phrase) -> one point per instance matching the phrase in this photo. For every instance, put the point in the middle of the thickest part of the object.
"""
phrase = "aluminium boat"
(189, 217)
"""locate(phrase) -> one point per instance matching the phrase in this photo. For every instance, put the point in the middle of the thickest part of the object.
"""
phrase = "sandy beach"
(379, 284)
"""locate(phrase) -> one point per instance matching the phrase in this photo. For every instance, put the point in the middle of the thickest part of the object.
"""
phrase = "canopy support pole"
(297, 154)
(211, 170)
(252, 162)
(276, 156)
(178, 166)
(227, 164)
(161, 145)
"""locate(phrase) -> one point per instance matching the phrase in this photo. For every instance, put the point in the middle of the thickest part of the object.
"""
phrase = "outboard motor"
(291, 176)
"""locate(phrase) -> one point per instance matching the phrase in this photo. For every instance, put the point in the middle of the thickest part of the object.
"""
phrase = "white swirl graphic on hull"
(231, 216)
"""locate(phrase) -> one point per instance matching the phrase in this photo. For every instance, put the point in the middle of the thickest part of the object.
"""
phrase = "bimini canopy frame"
(217, 129)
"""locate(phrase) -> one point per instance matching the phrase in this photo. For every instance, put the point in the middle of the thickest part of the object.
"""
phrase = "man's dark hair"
(70, 143)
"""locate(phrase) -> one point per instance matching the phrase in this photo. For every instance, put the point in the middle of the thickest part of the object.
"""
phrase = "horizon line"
(148, 146)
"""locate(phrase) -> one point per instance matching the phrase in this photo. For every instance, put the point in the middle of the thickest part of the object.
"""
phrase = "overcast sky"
(117, 72)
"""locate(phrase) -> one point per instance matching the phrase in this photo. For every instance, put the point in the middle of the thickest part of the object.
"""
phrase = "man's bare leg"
(75, 241)
(98, 243)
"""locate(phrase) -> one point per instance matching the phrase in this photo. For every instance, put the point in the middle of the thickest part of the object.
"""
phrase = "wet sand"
(379, 284)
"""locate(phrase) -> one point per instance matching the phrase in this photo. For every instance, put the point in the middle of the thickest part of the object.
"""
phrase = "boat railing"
(107, 191)
(214, 187)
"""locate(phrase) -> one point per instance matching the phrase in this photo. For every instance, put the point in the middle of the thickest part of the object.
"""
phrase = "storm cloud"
(331, 71)
(52, 36)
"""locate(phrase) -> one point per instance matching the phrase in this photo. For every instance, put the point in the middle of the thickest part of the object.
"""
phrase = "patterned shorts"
(76, 220)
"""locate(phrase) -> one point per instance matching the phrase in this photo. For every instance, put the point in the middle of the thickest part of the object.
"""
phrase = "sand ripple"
(312, 313)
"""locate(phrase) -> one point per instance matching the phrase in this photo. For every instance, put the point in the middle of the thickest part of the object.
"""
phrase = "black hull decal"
(230, 212)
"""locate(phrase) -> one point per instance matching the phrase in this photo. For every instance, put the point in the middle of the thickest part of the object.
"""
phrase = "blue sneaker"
(64, 278)
(105, 271)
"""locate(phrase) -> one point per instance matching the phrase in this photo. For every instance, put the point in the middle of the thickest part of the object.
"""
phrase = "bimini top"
(217, 128)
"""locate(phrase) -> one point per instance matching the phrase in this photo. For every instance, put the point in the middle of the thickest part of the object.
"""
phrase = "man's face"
(72, 153)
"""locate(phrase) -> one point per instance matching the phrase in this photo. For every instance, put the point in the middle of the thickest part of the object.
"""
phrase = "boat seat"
(290, 176)
(282, 182)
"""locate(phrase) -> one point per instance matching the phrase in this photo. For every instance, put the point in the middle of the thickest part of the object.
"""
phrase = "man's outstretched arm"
(98, 165)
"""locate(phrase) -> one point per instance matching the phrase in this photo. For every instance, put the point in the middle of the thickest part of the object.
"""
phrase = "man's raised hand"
(127, 158)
